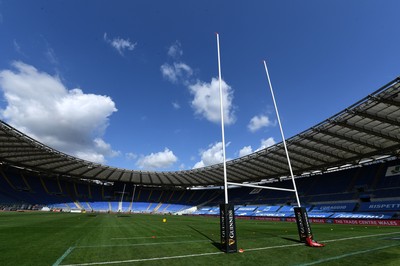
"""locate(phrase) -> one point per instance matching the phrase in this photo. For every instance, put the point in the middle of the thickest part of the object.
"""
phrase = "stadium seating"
(360, 192)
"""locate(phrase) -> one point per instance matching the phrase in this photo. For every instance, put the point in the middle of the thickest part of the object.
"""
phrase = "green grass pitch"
(110, 239)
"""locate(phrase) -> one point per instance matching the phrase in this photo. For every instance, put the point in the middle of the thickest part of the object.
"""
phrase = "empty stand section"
(361, 192)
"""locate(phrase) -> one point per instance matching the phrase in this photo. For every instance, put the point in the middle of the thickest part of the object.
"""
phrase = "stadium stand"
(361, 192)
(350, 159)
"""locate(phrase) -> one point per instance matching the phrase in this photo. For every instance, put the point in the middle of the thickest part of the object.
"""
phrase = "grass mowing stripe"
(54, 233)
(144, 237)
(325, 241)
(144, 244)
(356, 237)
(66, 253)
(215, 253)
(347, 255)
(149, 259)
(253, 249)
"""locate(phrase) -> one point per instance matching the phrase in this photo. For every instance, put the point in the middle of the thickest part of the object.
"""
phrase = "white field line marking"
(323, 241)
(149, 259)
(144, 237)
(347, 255)
(214, 253)
(273, 247)
(356, 237)
(66, 253)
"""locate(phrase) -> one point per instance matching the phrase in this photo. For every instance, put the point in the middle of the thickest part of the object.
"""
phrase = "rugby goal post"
(227, 212)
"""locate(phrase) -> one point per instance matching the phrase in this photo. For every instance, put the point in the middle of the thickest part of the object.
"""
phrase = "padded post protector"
(304, 227)
(228, 228)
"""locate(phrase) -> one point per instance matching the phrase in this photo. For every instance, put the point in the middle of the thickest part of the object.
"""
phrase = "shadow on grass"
(213, 242)
(292, 239)
(219, 246)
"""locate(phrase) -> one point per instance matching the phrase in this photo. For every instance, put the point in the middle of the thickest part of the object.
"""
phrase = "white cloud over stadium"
(176, 72)
(69, 120)
(206, 99)
(265, 143)
(258, 122)
(120, 44)
(157, 160)
(212, 155)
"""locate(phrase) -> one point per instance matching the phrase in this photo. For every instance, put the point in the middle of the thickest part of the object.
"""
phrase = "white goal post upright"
(222, 122)
(283, 136)
(122, 199)
(133, 196)
(303, 223)
(226, 210)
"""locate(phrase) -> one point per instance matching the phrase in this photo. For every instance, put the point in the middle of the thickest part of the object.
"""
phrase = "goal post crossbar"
(262, 187)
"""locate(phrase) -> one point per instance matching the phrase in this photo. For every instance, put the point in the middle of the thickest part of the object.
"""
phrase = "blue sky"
(133, 84)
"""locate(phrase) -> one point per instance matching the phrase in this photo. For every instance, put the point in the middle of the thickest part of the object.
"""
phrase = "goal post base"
(304, 227)
(228, 228)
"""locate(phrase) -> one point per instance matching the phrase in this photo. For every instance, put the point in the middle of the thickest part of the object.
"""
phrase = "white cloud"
(71, 121)
(176, 105)
(206, 98)
(177, 72)
(206, 102)
(265, 143)
(245, 151)
(157, 160)
(120, 44)
(17, 47)
(213, 155)
(258, 122)
(175, 50)
(105, 148)
(131, 156)
(51, 56)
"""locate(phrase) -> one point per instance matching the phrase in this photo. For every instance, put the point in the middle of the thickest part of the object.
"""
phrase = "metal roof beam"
(259, 159)
(202, 177)
(198, 180)
(120, 176)
(331, 145)
(217, 176)
(69, 163)
(282, 161)
(179, 177)
(316, 150)
(161, 181)
(358, 142)
(30, 154)
(250, 168)
(101, 171)
(367, 131)
(378, 118)
(299, 153)
(48, 158)
(388, 101)
(258, 167)
(292, 158)
(233, 172)
(15, 148)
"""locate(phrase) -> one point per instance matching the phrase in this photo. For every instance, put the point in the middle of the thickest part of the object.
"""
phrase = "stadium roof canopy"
(369, 129)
